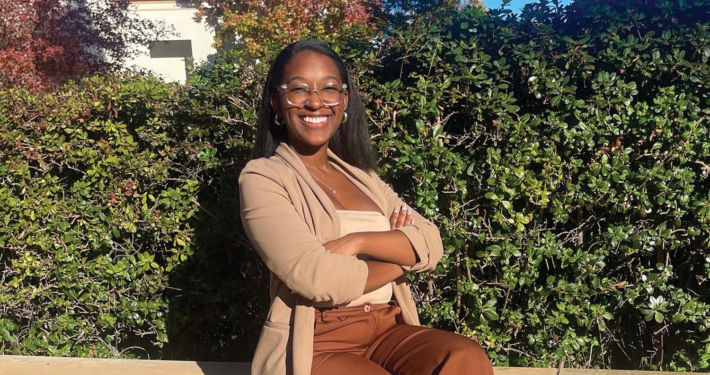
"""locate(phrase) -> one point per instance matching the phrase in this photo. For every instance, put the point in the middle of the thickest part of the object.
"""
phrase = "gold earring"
(345, 118)
(276, 120)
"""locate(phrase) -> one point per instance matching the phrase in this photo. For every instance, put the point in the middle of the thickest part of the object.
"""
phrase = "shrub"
(99, 187)
(564, 155)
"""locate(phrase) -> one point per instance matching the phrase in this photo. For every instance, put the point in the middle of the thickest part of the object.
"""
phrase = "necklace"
(318, 179)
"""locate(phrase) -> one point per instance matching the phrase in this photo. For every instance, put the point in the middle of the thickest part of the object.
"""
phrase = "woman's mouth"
(315, 121)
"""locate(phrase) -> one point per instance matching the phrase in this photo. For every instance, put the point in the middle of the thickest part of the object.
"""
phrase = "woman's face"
(312, 125)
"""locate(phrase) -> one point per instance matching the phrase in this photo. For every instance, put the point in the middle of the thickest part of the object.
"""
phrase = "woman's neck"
(313, 159)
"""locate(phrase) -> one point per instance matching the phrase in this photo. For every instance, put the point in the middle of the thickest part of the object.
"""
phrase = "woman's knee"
(411, 349)
(469, 346)
(460, 355)
(462, 349)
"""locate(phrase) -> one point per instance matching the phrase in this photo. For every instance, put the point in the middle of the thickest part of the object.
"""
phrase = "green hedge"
(564, 154)
(102, 190)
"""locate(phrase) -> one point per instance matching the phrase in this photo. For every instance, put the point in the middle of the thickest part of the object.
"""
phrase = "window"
(169, 58)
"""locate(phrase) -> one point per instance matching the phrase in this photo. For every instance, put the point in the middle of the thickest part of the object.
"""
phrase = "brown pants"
(367, 340)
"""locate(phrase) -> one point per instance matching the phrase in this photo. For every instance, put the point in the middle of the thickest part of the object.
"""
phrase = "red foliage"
(43, 43)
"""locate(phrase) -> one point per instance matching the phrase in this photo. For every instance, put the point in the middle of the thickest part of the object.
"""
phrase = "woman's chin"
(310, 141)
(314, 135)
(317, 141)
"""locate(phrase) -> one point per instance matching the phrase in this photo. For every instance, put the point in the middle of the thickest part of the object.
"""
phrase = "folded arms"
(291, 251)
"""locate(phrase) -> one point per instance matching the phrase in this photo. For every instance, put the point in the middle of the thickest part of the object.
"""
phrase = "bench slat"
(26, 365)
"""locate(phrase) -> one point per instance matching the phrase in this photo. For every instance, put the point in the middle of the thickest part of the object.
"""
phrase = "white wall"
(181, 17)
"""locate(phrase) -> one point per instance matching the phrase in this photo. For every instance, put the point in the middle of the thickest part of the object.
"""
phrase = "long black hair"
(351, 142)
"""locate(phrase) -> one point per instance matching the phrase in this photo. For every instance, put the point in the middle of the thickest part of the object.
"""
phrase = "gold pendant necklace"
(318, 179)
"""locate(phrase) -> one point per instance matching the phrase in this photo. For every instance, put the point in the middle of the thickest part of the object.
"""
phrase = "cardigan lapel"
(288, 156)
(294, 161)
(356, 176)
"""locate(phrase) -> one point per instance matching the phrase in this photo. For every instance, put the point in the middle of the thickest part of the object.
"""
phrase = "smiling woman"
(337, 240)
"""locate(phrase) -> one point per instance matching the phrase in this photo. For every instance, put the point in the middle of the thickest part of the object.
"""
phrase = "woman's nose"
(314, 101)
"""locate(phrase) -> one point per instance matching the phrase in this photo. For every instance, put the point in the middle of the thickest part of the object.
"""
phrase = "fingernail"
(412, 220)
(396, 209)
(409, 211)
(404, 206)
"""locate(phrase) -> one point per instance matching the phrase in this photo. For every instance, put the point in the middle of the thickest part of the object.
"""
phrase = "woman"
(335, 237)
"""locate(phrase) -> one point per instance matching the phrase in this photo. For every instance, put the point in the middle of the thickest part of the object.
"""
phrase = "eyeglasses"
(299, 94)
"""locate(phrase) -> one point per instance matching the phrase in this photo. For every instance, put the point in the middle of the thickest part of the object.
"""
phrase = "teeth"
(315, 120)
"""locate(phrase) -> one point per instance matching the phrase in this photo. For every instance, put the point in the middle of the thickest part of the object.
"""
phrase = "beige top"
(288, 217)
(366, 221)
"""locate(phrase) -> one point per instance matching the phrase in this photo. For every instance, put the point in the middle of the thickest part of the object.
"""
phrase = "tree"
(263, 26)
(44, 43)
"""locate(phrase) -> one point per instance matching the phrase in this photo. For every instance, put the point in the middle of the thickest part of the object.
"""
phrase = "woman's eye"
(298, 89)
(329, 89)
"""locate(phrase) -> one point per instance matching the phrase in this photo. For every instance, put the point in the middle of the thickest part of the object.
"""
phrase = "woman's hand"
(345, 245)
(400, 217)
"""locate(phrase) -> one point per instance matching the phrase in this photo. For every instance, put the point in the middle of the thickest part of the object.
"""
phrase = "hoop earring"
(276, 120)
(345, 118)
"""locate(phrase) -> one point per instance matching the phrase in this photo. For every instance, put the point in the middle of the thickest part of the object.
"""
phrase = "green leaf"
(659, 317)
(490, 314)
(437, 131)
(494, 250)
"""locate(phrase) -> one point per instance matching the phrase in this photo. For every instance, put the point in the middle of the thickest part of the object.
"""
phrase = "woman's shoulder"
(272, 167)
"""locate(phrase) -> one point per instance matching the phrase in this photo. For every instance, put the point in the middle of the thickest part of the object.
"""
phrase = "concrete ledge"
(524, 371)
(21, 365)
(572, 371)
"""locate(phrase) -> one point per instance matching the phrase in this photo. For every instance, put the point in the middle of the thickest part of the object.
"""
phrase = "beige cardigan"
(288, 218)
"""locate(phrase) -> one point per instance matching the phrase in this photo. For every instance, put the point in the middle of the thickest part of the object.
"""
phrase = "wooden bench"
(20, 365)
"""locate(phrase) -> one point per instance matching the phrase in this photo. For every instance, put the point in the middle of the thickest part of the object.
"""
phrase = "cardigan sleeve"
(286, 244)
(423, 234)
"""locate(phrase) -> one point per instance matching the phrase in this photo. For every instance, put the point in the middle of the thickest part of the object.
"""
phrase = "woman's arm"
(423, 235)
(285, 243)
(388, 246)
(379, 271)
(416, 247)
(393, 247)
(380, 274)
(382, 271)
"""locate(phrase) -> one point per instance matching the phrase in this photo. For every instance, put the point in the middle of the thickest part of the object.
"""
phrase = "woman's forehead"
(311, 66)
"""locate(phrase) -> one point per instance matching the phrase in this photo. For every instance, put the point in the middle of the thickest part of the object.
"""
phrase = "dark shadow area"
(219, 297)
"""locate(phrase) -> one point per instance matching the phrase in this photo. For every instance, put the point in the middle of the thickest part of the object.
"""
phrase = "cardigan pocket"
(273, 349)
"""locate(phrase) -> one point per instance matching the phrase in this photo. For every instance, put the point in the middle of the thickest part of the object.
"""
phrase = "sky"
(515, 5)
